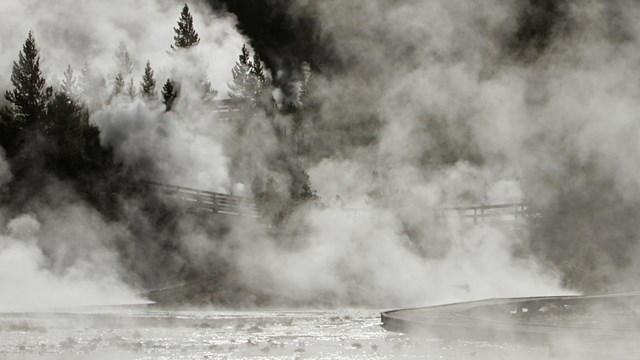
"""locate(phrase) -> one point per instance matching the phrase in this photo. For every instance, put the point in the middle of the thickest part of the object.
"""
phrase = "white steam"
(456, 122)
(86, 34)
(32, 281)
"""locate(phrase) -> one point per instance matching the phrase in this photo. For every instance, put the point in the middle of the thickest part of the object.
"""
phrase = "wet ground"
(157, 334)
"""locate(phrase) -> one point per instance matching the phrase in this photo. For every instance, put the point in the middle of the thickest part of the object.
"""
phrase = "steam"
(32, 280)
(367, 258)
(434, 101)
(431, 109)
(92, 31)
(180, 149)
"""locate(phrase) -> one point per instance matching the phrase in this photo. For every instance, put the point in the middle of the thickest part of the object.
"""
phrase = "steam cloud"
(446, 110)
(431, 109)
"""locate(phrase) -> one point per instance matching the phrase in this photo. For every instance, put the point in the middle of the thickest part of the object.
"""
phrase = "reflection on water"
(157, 334)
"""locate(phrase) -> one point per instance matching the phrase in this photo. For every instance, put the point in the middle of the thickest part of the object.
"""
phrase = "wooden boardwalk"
(511, 212)
(229, 109)
(214, 202)
(206, 201)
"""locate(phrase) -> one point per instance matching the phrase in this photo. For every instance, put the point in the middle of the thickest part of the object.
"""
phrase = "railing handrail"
(208, 200)
(197, 191)
(230, 203)
(486, 207)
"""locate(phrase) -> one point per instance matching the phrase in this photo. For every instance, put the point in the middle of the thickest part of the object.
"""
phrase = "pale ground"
(156, 334)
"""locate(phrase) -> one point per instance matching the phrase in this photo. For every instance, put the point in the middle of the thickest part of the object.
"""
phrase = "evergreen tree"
(118, 84)
(245, 57)
(69, 85)
(131, 89)
(29, 96)
(169, 94)
(301, 189)
(124, 65)
(256, 68)
(67, 121)
(124, 61)
(208, 92)
(259, 79)
(73, 147)
(10, 138)
(243, 84)
(148, 84)
(186, 36)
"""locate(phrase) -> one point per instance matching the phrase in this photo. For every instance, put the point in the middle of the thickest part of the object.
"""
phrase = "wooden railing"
(229, 109)
(214, 202)
(482, 213)
(209, 201)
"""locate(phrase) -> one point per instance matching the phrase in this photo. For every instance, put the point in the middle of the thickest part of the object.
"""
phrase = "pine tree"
(124, 61)
(259, 80)
(67, 120)
(242, 85)
(148, 84)
(125, 71)
(208, 92)
(301, 189)
(244, 57)
(118, 84)
(29, 96)
(169, 94)
(256, 68)
(131, 89)
(186, 36)
(69, 85)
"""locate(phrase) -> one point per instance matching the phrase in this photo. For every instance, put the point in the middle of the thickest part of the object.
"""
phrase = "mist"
(446, 101)
(331, 164)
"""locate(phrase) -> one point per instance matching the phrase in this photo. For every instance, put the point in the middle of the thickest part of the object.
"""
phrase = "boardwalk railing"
(482, 213)
(214, 202)
(229, 109)
(207, 201)
(508, 213)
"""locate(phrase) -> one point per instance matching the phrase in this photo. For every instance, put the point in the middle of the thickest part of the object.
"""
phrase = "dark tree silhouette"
(68, 122)
(259, 79)
(169, 94)
(148, 84)
(29, 97)
(256, 68)
(186, 36)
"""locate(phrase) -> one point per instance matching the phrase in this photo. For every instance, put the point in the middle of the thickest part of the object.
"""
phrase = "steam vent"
(584, 326)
